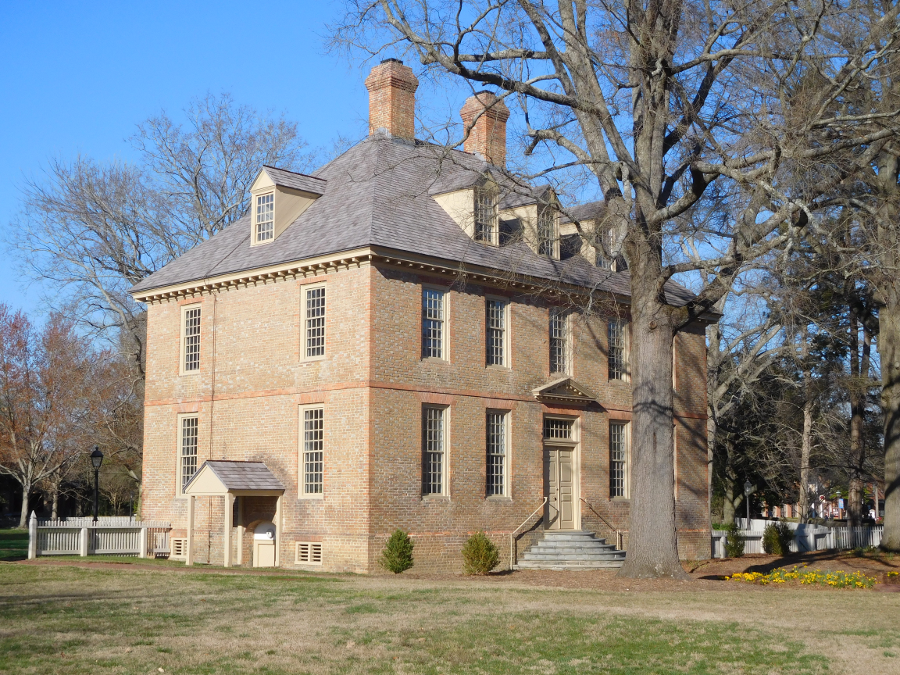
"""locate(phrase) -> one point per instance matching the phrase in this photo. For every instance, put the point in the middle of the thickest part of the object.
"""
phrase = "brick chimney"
(392, 99)
(485, 118)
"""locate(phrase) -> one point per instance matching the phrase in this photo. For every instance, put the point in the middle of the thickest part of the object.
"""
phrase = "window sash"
(616, 346)
(313, 451)
(559, 342)
(556, 429)
(496, 333)
(315, 322)
(432, 323)
(192, 339)
(618, 460)
(496, 440)
(433, 440)
(265, 217)
(545, 234)
(485, 215)
(188, 448)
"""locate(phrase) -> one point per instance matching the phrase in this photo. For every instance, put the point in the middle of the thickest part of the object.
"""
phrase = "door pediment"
(564, 390)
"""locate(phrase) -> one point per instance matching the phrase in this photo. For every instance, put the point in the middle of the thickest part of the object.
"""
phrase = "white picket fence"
(108, 536)
(806, 537)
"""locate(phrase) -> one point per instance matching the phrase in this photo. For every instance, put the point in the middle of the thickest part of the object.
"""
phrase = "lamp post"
(748, 488)
(96, 461)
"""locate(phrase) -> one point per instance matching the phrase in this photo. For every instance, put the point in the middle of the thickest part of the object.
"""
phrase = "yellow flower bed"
(839, 579)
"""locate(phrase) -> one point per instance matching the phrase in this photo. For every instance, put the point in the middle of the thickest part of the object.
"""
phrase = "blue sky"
(78, 77)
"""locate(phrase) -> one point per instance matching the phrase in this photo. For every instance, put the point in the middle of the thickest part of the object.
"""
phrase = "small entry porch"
(231, 480)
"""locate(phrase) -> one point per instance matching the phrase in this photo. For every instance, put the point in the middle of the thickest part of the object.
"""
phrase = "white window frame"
(626, 349)
(255, 224)
(445, 452)
(505, 346)
(182, 351)
(304, 328)
(493, 233)
(626, 479)
(568, 352)
(302, 451)
(506, 454)
(549, 245)
(445, 323)
(179, 449)
(675, 459)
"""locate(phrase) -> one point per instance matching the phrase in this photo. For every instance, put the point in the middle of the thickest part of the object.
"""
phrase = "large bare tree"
(669, 106)
(90, 230)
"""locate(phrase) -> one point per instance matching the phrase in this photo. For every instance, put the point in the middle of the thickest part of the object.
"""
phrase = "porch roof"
(220, 477)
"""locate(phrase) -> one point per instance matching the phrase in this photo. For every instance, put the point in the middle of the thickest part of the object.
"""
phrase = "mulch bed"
(706, 575)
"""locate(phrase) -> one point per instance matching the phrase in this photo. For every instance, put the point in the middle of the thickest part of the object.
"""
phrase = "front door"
(559, 485)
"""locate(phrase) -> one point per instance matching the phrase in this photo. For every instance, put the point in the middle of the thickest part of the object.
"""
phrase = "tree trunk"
(23, 514)
(54, 509)
(889, 348)
(857, 411)
(806, 437)
(652, 549)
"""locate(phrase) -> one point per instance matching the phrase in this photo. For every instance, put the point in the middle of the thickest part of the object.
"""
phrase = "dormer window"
(265, 217)
(547, 239)
(486, 229)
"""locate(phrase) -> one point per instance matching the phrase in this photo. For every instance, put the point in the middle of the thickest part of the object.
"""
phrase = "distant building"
(398, 341)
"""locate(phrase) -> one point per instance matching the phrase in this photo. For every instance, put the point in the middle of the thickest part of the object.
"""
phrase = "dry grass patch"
(131, 620)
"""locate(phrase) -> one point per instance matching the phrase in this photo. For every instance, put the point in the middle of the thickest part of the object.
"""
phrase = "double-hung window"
(314, 322)
(312, 460)
(618, 352)
(433, 324)
(265, 217)
(187, 449)
(546, 232)
(497, 453)
(618, 459)
(496, 333)
(190, 338)
(559, 341)
(486, 215)
(434, 450)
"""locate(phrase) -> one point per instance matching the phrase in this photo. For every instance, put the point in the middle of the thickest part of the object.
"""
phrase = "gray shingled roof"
(378, 193)
(297, 181)
(244, 475)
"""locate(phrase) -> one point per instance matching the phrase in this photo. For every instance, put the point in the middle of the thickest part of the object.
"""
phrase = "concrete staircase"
(570, 550)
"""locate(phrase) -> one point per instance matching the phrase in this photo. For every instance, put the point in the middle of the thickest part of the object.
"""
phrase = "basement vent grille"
(309, 553)
(178, 547)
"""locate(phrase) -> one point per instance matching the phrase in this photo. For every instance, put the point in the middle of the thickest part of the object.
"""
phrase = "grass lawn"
(13, 544)
(139, 620)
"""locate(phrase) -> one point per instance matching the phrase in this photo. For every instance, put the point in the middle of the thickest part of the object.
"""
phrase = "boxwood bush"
(397, 555)
(480, 555)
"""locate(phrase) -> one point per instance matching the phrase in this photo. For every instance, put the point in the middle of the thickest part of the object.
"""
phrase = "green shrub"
(734, 542)
(480, 555)
(777, 539)
(397, 555)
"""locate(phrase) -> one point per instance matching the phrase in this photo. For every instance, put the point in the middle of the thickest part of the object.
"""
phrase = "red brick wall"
(373, 384)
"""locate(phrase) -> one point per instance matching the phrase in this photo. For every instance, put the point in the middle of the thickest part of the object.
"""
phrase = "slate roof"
(297, 181)
(243, 475)
(378, 193)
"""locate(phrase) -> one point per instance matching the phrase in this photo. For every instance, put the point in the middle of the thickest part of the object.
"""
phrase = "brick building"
(403, 340)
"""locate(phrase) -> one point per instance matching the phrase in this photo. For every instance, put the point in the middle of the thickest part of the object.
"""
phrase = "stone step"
(569, 565)
(580, 556)
(569, 535)
(567, 549)
(558, 548)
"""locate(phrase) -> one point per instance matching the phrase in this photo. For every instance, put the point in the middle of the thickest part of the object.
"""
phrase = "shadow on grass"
(13, 545)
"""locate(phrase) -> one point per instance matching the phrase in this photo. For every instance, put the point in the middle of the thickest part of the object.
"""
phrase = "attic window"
(486, 215)
(265, 217)
(546, 232)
